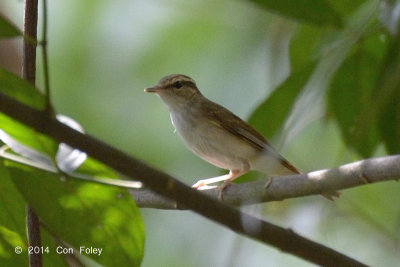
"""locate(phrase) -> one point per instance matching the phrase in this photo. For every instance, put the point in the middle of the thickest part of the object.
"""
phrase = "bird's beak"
(153, 89)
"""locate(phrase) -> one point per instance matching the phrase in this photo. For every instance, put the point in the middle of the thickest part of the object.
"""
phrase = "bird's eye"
(178, 84)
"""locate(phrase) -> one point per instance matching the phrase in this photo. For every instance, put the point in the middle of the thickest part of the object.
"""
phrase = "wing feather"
(225, 119)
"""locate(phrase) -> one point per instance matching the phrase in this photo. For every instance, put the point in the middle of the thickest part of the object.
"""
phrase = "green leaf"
(28, 136)
(25, 92)
(387, 97)
(12, 85)
(350, 101)
(12, 222)
(345, 7)
(365, 96)
(50, 244)
(389, 124)
(303, 46)
(85, 214)
(7, 29)
(13, 228)
(317, 12)
(271, 114)
(96, 168)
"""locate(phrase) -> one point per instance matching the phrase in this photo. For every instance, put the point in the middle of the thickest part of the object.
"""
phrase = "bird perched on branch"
(217, 135)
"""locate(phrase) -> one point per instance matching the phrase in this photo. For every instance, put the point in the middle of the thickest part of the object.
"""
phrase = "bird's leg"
(233, 174)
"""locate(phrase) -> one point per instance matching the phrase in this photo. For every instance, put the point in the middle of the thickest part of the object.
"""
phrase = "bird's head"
(175, 90)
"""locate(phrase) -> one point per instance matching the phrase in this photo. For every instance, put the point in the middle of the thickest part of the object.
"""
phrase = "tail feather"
(289, 166)
(290, 169)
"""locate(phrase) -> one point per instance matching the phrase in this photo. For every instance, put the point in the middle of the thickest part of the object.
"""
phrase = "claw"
(268, 183)
(222, 189)
(198, 184)
(331, 195)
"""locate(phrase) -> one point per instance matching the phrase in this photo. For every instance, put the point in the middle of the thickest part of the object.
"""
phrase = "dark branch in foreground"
(350, 175)
(163, 184)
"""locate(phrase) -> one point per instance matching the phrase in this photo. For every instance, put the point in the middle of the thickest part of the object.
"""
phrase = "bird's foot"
(331, 195)
(227, 178)
(268, 183)
(199, 184)
(202, 184)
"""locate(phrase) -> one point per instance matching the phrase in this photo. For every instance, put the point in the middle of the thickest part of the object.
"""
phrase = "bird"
(216, 135)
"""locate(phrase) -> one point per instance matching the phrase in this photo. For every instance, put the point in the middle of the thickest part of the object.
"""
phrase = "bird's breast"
(210, 142)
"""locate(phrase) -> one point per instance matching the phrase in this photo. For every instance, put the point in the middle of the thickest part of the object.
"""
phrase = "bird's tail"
(277, 166)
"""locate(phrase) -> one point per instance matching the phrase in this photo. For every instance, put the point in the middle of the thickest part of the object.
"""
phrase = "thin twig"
(45, 60)
(29, 74)
(29, 49)
(163, 184)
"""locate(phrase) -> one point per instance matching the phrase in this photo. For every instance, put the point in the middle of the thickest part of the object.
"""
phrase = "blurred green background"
(103, 53)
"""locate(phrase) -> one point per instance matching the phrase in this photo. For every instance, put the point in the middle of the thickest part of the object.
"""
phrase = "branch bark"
(346, 176)
(163, 184)
(29, 74)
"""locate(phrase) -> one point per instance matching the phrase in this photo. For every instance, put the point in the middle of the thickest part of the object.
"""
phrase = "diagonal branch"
(346, 176)
(163, 184)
